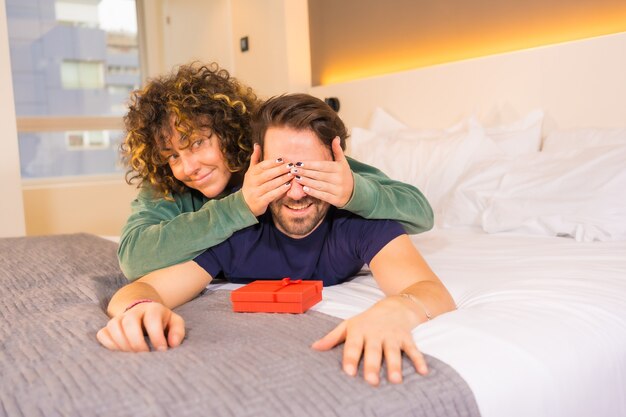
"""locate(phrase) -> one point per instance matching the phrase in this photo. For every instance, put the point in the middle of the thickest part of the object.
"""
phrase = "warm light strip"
(461, 49)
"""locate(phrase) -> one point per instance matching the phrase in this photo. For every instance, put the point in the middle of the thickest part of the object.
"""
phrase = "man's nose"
(295, 191)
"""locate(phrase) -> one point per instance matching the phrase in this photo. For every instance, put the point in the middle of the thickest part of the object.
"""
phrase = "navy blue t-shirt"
(334, 252)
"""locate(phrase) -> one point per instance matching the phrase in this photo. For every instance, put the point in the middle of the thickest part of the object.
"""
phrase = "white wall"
(179, 31)
(197, 30)
(278, 59)
(150, 18)
(11, 203)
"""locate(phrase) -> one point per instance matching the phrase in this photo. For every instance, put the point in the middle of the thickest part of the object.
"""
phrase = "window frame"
(30, 124)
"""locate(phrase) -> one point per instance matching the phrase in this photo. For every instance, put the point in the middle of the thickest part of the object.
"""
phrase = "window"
(82, 75)
(74, 63)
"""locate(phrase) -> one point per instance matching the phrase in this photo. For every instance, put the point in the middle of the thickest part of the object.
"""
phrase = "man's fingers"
(332, 338)
(352, 352)
(393, 359)
(416, 357)
(372, 359)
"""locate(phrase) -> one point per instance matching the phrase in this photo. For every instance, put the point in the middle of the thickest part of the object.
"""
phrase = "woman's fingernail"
(289, 165)
(306, 189)
(287, 183)
(350, 370)
(279, 160)
(298, 177)
(294, 171)
(299, 164)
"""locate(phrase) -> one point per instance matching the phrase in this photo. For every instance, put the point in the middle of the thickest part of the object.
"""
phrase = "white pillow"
(562, 140)
(520, 137)
(576, 193)
(383, 122)
(433, 161)
(465, 204)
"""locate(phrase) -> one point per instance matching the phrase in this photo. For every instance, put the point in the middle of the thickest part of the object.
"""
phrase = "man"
(301, 237)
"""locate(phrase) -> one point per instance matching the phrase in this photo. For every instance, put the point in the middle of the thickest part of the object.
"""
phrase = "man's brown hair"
(299, 112)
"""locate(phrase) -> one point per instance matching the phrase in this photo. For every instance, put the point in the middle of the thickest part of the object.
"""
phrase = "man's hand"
(264, 182)
(384, 330)
(125, 331)
(329, 181)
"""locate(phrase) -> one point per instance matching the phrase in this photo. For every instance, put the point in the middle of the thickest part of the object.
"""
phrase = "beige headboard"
(577, 84)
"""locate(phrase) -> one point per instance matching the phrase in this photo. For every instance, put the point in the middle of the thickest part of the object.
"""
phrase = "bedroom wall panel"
(578, 84)
(11, 203)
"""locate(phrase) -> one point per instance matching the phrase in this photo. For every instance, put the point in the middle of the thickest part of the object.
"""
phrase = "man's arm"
(151, 300)
(399, 268)
(384, 330)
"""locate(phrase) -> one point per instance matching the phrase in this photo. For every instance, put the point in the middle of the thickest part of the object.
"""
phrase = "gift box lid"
(277, 291)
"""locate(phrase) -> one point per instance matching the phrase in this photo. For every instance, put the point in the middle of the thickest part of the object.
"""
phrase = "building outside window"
(74, 63)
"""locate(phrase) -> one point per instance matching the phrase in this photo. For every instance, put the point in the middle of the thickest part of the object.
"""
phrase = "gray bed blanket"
(54, 292)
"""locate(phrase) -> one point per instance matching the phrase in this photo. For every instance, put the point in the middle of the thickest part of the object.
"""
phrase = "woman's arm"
(161, 233)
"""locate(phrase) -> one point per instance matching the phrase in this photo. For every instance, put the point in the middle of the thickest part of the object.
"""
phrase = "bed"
(527, 185)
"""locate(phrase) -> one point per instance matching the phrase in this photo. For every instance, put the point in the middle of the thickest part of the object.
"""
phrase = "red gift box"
(277, 296)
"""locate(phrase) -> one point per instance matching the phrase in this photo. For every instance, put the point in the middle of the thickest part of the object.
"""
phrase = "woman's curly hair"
(197, 96)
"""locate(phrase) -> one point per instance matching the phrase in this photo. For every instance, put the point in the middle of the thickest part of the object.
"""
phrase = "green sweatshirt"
(161, 233)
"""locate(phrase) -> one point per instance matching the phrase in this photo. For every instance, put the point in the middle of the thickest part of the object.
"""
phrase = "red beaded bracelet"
(134, 303)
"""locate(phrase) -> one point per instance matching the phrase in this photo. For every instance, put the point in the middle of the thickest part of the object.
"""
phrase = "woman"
(188, 145)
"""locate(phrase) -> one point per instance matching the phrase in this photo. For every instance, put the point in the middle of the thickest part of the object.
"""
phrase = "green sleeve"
(161, 233)
(376, 196)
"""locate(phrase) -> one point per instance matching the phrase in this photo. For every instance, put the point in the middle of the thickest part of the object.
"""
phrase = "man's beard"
(298, 226)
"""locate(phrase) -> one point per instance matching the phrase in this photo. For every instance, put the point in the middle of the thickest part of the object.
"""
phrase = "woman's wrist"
(137, 302)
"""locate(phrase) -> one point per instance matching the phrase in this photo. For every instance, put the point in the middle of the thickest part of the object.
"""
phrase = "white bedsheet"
(540, 328)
